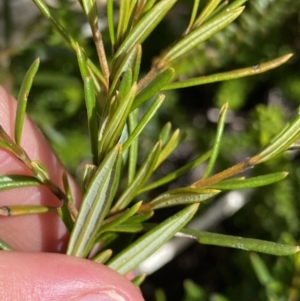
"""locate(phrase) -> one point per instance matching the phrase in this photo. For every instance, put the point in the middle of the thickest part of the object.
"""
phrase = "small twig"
(227, 173)
(101, 53)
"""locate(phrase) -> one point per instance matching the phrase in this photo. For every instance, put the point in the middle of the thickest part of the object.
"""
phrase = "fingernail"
(100, 296)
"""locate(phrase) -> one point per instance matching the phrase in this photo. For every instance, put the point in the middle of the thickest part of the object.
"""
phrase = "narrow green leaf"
(153, 87)
(165, 133)
(98, 78)
(95, 203)
(16, 210)
(124, 20)
(137, 281)
(90, 102)
(201, 34)
(217, 143)
(67, 187)
(55, 23)
(128, 228)
(170, 146)
(4, 246)
(236, 4)
(6, 146)
(118, 219)
(117, 121)
(206, 12)
(145, 26)
(181, 196)
(193, 15)
(22, 99)
(67, 216)
(110, 21)
(261, 269)
(17, 181)
(90, 9)
(126, 83)
(133, 149)
(141, 217)
(137, 64)
(247, 244)
(68, 212)
(103, 256)
(149, 4)
(141, 177)
(177, 173)
(144, 121)
(88, 173)
(282, 142)
(147, 244)
(127, 63)
(257, 69)
(250, 183)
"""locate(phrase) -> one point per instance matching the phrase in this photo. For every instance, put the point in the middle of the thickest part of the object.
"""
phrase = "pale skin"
(30, 273)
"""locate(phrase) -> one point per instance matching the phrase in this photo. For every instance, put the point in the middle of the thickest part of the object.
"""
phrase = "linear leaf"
(193, 15)
(250, 183)
(6, 146)
(153, 87)
(261, 270)
(145, 26)
(144, 121)
(147, 244)
(114, 221)
(247, 244)
(110, 21)
(165, 133)
(95, 203)
(55, 23)
(15, 210)
(103, 257)
(177, 173)
(126, 83)
(206, 12)
(133, 149)
(281, 142)
(149, 4)
(22, 99)
(140, 217)
(90, 9)
(181, 196)
(217, 143)
(229, 75)
(235, 4)
(170, 146)
(90, 102)
(137, 281)
(201, 34)
(127, 63)
(141, 177)
(17, 181)
(117, 121)
(124, 19)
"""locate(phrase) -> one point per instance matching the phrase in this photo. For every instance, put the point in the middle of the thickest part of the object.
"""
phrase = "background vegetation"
(259, 107)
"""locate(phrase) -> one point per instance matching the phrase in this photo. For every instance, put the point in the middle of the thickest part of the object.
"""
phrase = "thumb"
(57, 277)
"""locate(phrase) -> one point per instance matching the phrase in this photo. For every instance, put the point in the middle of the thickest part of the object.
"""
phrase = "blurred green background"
(259, 107)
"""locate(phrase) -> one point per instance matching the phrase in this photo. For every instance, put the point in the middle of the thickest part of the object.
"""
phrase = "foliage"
(120, 101)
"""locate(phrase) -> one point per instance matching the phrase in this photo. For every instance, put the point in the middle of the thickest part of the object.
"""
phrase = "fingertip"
(54, 277)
